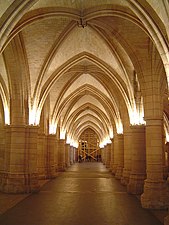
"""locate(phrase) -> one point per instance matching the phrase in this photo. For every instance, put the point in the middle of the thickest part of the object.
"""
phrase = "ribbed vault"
(89, 61)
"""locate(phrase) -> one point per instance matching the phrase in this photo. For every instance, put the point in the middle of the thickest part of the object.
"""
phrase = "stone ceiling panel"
(82, 80)
(77, 4)
(83, 40)
(88, 111)
(39, 39)
(87, 99)
(3, 72)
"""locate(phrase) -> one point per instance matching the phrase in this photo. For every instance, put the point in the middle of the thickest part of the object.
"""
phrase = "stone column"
(42, 155)
(166, 220)
(167, 160)
(119, 155)
(67, 155)
(2, 145)
(71, 155)
(104, 155)
(127, 156)
(112, 154)
(108, 155)
(101, 153)
(155, 188)
(56, 156)
(115, 155)
(138, 162)
(51, 162)
(61, 155)
(31, 173)
(75, 159)
(20, 167)
(165, 163)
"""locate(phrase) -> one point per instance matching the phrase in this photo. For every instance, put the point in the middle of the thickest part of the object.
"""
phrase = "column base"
(165, 172)
(114, 169)
(107, 164)
(43, 173)
(42, 177)
(61, 168)
(156, 195)
(111, 167)
(119, 172)
(71, 162)
(51, 173)
(19, 183)
(136, 184)
(168, 179)
(125, 177)
(67, 164)
(166, 220)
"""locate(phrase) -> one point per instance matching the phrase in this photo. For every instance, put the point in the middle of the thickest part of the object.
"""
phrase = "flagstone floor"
(86, 194)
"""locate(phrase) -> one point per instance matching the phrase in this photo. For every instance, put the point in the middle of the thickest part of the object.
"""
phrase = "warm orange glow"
(52, 128)
(7, 115)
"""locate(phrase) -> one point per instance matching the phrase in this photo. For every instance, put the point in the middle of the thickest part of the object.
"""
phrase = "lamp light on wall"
(52, 128)
(7, 115)
(68, 140)
(62, 134)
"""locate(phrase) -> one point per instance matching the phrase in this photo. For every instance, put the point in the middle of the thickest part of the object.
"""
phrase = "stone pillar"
(127, 156)
(20, 167)
(31, 173)
(75, 154)
(67, 155)
(71, 155)
(167, 160)
(61, 155)
(112, 154)
(108, 155)
(42, 155)
(165, 163)
(115, 155)
(166, 220)
(2, 145)
(138, 162)
(51, 161)
(56, 156)
(155, 188)
(103, 151)
(104, 155)
(101, 154)
(120, 156)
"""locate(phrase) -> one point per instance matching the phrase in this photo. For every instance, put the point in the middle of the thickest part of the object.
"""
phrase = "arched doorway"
(88, 149)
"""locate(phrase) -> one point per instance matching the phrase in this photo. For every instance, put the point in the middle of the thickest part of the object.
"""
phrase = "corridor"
(86, 194)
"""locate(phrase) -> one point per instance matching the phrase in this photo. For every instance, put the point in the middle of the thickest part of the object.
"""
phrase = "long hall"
(88, 81)
(86, 194)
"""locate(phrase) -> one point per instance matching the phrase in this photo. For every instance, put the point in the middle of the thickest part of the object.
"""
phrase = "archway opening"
(88, 149)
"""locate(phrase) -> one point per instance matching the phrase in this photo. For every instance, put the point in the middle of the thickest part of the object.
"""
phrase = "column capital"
(154, 121)
(118, 135)
(138, 128)
(51, 135)
(132, 126)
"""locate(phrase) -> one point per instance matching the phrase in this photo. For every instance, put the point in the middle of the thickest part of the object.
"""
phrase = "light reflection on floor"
(87, 194)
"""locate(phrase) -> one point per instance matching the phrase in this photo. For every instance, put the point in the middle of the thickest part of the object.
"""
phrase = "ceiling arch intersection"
(46, 89)
(95, 111)
(71, 101)
(56, 64)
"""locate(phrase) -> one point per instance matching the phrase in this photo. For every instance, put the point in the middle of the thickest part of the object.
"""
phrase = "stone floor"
(87, 194)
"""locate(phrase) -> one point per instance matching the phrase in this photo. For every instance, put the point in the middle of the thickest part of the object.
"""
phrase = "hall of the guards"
(84, 111)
